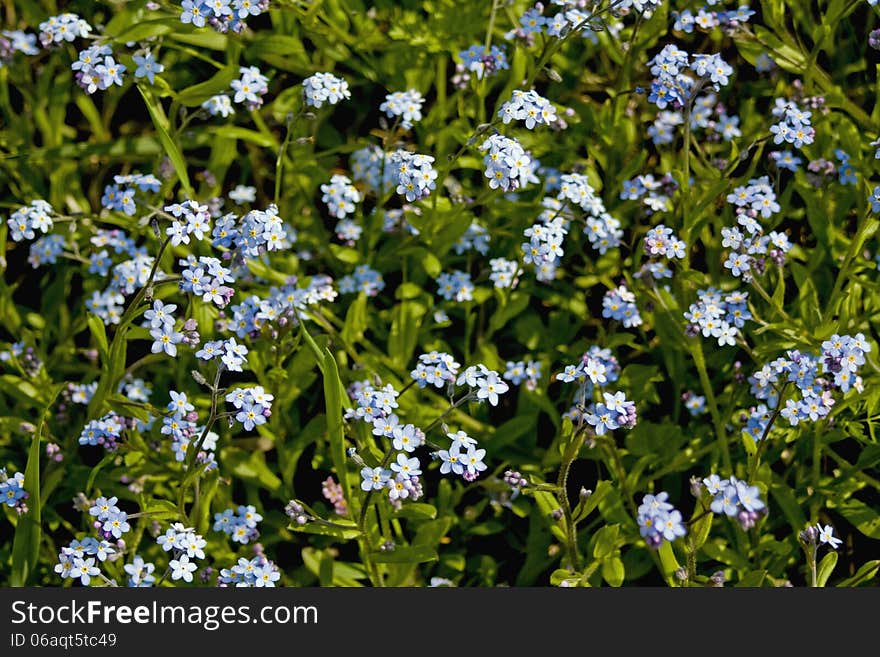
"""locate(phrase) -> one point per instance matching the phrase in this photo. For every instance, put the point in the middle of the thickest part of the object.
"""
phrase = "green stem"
(763, 441)
(491, 25)
(279, 161)
(562, 484)
(720, 433)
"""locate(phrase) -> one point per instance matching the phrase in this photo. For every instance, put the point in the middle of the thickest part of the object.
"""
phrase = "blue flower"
(147, 67)
(323, 88)
(84, 570)
(195, 12)
(182, 568)
(165, 339)
(826, 536)
(406, 105)
(140, 573)
(374, 478)
(407, 467)
(251, 415)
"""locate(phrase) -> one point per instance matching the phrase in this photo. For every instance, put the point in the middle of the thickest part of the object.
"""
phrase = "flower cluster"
(165, 336)
(614, 412)
(482, 63)
(340, 196)
(97, 70)
(815, 378)
(186, 546)
(219, 105)
(191, 218)
(250, 87)
(528, 107)
(718, 316)
(658, 520)
(544, 249)
(793, 124)
(375, 168)
(104, 432)
(46, 250)
(673, 86)
(181, 426)
(109, 521)
(232, 355)
(63, 27)
(661, 241)
(476, 237)
(206, 277)
(620, 304)
(735, 498)
(222, 15)
(455, 286)
(12, 492)
(254, 406)
(405, 105)
(656, 195)
(13, 41)
(707, 19)
(522, 371)
(333, 493)
(364, 279)
(486, 382)
(462, 458)
(504, 272)
(414, 174)
(257, 572)
(372, 403)
(257, 232)
(23, 222)
(435, 368)
(278, 309)
(76, 561)
(597, 366)
(121, 195)
(240, 524)
(323, 88)
(508, 166)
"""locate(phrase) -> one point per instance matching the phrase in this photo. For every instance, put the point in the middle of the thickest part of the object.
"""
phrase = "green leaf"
(140, 31)
(275, 44)
(863, 574)
(699, 531)
(417, 511)
(753, 579)
(128, 408)
(335, 431)
(613, 571)
(29, 530)
(513, 308)
(251, 467)
(407, 554)
(334, 531)
(606, 541)
(355, 319)
(826, 567)
(108, 458)
(160, 121)
(161, 510)
(863, 517)
(585, 507)
(99, 331)
(667, 559)
(197, 94)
